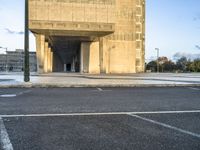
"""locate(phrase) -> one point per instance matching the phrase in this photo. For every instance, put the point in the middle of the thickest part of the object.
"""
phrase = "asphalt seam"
(166, 126)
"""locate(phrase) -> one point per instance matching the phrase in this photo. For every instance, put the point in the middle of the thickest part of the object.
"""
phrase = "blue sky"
(171, 25)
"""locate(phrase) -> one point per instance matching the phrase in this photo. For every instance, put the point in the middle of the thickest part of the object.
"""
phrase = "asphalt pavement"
(100, 118)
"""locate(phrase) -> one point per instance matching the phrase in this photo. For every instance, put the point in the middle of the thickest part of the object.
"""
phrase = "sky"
(173, 26)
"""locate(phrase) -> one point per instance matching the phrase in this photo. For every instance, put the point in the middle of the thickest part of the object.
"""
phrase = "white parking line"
(14, 95)
(166, 126)
(100, 89)
(5, 141)
(23, 92)
(100, 114)
(8, 95)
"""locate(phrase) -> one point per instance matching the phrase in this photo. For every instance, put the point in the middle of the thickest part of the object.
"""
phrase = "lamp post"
(6, 57)
(157, 49)
(26, 44)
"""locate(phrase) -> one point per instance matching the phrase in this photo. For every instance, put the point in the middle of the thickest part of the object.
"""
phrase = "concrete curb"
(47, 85)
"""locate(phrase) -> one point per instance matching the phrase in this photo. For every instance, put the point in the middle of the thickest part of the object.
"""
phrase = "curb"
(47, 85)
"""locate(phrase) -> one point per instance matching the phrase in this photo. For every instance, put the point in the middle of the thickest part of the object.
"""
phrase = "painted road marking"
(166, 126)
(5, 141)
(99, 114)
(24, 92)
(8, 95)
(14, 95)
(196, 89)
(100, 89)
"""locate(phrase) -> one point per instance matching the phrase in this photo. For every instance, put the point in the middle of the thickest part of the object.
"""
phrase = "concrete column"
(101, 58)
(81, 59)
(84, 59)
(40, 40)
(49, 60)
(94, 65)
(65, 68)
(90, 57)
(73, 64)
(46, 57)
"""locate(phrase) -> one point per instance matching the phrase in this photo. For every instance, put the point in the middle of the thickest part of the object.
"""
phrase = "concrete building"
(89, 36)
(13, 61)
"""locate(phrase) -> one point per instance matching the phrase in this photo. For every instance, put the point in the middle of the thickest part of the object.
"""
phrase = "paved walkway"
(86, 80)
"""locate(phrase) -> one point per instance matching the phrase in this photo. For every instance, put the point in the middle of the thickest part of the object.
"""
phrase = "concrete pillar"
(40, 40)
(81, 58)
(49, 60)
(46, 48)
(101, 58)
(94, 65)
(90, 57)
(73, 64)
(65, 68)
(84, 59)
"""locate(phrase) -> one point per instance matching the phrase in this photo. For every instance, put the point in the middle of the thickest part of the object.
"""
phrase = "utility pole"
(26, 44)
(157, 49)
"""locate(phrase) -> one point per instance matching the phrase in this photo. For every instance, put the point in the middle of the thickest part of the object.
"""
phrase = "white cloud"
(198, 47)
(9, 31)
(178, 55)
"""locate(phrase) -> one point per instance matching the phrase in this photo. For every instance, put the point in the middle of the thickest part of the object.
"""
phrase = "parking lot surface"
(100, 118)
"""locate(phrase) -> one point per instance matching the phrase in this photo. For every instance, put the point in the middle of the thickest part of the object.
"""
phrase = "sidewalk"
(87, 80)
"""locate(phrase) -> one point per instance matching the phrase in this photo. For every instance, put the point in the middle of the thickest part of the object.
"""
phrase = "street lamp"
(26, 44)
(6, 57)
(157, 49)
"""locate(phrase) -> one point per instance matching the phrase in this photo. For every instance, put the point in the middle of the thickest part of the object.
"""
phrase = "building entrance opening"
(68, 67)
(66, 54)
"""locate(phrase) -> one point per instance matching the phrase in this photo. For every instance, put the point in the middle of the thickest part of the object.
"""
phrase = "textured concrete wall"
(117, 28)
(123, 51)
(94, 58)
(72, 15)
(90, 57)
(73, 10)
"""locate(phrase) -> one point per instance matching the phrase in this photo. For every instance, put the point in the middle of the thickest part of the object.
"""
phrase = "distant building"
(13, 61)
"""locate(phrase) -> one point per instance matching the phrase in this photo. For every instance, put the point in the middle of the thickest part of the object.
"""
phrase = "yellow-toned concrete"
(46, 48)
(51, 61)
(94, 67)
(119, 49)
(96, 36)
(85, 47)
(40, 40)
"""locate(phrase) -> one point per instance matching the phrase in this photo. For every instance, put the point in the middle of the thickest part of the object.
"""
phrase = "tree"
(194, 66)
(152, 65)
(165, 65)
(169, 66)
(181, 64)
